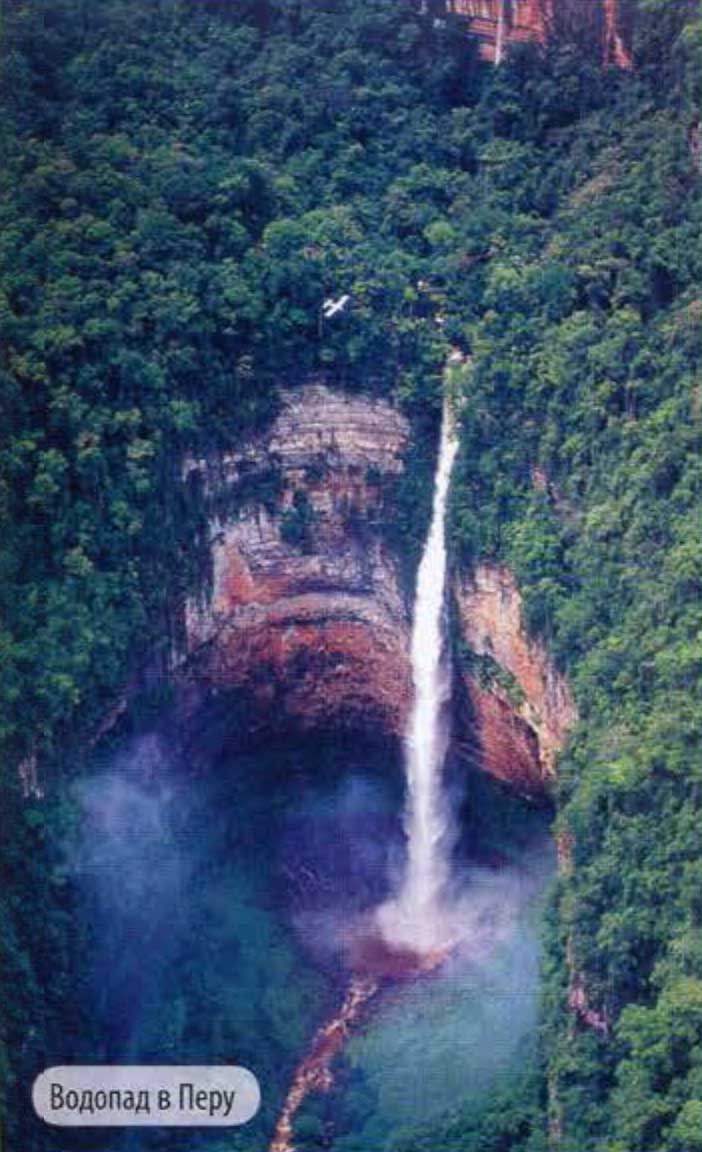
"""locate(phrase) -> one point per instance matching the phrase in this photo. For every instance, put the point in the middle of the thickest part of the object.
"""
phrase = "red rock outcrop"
(517, 739)
(498, 23)
(305, 617)
(578, 997)
(614, 51)
(310, 624)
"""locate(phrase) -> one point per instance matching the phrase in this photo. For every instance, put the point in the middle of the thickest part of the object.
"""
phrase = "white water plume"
(416, 917)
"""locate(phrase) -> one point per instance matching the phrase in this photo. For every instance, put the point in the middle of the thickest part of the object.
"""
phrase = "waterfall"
(415, 917)
(500, 41)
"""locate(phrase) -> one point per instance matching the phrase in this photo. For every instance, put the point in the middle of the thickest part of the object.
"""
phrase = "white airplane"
(331, 307)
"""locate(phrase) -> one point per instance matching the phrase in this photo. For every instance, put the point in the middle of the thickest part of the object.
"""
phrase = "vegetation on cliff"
(581, 470)
(183, 186)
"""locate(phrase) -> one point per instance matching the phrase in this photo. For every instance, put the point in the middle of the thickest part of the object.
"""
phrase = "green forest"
(183, 183)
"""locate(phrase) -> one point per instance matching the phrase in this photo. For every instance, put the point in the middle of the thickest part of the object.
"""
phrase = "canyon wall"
(498, 23)
(305, 617)
(305, 614)
(521, 706)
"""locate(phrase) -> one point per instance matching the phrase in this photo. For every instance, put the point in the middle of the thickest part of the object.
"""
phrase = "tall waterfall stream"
(415, 917)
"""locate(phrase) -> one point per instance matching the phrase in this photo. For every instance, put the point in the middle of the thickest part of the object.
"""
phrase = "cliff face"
(614, 50)
(306, 615)
(519, 727)
(306, 620)
(498, 23)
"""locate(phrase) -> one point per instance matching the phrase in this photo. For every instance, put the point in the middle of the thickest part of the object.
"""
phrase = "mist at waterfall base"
(220, 905)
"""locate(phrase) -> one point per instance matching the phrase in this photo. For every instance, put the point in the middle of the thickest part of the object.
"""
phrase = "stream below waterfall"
(220, 906)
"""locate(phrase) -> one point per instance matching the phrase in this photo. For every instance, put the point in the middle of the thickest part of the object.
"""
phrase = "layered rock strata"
(518, 728)
(498, 23)
(306, 619)
(306, 614)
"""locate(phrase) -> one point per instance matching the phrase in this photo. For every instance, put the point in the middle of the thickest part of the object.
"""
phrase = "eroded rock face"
(615, 51)
(498, 23)
(306, 615)
(306, 620)
(519, 732)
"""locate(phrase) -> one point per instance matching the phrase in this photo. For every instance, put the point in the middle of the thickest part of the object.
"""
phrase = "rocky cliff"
(305, 618)
(522, 708)
(498, 23)
(305, 613)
